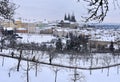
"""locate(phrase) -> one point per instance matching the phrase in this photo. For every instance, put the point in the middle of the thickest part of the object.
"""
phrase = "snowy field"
(46, 73)
(37, 38)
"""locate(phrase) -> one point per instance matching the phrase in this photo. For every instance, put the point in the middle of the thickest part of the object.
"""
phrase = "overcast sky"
(55, 10)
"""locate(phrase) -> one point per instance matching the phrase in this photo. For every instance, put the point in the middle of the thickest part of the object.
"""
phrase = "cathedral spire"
(69, 17)
(73, 18)
(65, 17)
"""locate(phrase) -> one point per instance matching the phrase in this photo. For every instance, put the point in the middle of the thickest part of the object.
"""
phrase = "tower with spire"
(65, 17)
(68, 21)
(70, 18)
(73, 18)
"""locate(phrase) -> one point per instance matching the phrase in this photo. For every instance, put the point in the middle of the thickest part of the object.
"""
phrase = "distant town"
(99, 39)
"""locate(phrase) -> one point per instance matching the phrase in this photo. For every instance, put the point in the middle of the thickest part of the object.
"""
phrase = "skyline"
(56, 9)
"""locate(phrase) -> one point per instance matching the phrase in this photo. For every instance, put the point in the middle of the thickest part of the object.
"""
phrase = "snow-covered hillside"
(9, 73)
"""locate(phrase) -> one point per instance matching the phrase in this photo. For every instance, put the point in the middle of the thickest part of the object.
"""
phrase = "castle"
(68, 22)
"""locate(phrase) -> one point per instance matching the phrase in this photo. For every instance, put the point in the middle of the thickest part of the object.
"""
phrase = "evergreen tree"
(59, 44)
(68, 44)
(111, 46)
(75, 42)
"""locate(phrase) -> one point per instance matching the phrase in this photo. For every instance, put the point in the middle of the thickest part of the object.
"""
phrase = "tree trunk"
(36, 70)
(3, 62)
(32, 51)
(108, 72)
(9, 74)
(102, 70)
(27, 71)
(91, 62)
(1, 48)
(118, 69)
(19, 60)
(50, 58)
(56, 76)
(2, 45)
(97, 61)
(18, 66)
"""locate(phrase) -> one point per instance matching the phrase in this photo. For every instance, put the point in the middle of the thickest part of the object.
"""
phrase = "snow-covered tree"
(7, 9)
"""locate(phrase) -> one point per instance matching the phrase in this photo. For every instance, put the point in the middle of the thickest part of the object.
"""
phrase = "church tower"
(65, 17)
(73, 18)
(69, 17)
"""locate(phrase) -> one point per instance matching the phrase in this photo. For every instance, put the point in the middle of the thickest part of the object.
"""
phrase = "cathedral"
(70, 18)
(69, 21)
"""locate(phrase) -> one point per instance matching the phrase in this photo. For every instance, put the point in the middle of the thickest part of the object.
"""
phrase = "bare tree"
(97, 9)
(12, 69)
(19, 60)
(28, 71)
(3, 61)
(107, 61)
(77, 76)
(56, 70)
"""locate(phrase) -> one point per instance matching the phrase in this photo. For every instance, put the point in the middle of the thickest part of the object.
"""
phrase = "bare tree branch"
(98, 9)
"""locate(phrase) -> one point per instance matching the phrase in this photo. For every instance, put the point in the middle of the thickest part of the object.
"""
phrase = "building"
(48, 30)
(68, 22)
(19, 26)
(21, 30)
(16, 24)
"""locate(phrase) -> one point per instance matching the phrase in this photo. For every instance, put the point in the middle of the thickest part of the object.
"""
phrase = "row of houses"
(97, 37)
(19, 26)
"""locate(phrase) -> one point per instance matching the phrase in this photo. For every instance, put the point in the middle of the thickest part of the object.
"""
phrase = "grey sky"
(55, 10)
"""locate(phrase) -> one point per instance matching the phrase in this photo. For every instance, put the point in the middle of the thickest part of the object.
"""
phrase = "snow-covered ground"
(46, 73)
(37, 38)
